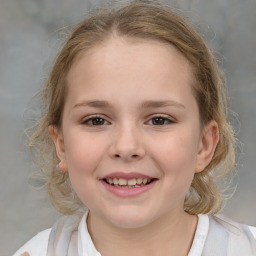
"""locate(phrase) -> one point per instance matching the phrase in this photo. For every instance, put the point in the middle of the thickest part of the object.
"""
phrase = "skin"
(127, 73)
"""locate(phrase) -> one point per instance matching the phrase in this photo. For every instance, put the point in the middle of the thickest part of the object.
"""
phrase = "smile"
(128, 183)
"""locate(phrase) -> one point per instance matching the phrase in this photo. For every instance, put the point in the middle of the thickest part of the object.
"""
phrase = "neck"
(171, 235)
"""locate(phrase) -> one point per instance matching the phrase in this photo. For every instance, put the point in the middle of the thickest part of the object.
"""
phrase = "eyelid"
(90, 117)
(163, 116)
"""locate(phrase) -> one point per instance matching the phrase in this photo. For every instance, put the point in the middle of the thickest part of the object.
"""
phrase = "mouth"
(129, 183)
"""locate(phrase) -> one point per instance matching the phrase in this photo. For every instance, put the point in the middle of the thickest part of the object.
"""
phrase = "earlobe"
(57, 138)
(207, 146)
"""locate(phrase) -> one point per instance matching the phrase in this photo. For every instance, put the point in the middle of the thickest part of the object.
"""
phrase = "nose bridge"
(127, 142)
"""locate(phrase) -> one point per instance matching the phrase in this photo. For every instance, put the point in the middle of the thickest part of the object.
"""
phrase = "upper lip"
(127, 175)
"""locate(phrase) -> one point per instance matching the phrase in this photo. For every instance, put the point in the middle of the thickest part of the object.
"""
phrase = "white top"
(37, 246)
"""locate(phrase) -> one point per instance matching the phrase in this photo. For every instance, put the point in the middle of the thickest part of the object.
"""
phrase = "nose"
(127, 145)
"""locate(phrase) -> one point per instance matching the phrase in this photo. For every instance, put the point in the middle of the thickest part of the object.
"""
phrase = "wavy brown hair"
(147, 20)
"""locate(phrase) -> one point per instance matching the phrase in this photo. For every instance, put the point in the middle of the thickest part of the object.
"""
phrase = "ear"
(207, 145)
(57, 138)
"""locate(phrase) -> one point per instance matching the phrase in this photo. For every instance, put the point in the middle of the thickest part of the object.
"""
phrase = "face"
(131, 138)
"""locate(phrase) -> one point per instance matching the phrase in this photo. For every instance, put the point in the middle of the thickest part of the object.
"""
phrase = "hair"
(147, 20)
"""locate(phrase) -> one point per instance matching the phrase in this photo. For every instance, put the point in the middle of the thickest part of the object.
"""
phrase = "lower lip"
(128, 192)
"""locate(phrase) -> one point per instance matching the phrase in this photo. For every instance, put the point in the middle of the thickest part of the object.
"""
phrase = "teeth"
(128, 183)
(123, 182)
(132, 182)
(139, 181)
(110, 181)
(115, 181)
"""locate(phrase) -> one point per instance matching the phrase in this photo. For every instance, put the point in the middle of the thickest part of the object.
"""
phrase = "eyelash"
(88, 119)
(91, 118)
(163, 117)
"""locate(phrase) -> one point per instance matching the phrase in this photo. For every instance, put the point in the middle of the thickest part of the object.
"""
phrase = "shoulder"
(37, 246)
(226, 235)
(233, 226)
(253, 230)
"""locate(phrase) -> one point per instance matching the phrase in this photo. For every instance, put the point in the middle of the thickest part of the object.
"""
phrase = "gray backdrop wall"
(29, 37)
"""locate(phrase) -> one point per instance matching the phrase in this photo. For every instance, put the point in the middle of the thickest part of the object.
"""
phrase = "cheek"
(177, 156)
(83, 153)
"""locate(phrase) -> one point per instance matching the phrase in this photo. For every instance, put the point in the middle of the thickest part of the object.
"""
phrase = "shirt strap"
(63, 239)
(228, 238)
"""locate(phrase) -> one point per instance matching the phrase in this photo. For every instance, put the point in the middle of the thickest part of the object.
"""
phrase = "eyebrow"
(145, 105)
(159, 104)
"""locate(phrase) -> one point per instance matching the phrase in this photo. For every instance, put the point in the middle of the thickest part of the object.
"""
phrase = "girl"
(133, 138)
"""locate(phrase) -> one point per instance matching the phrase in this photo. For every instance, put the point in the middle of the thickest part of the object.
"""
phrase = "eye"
(94, 121)
(161, 120)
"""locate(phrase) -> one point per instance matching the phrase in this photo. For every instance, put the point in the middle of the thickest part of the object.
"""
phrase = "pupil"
(158, 121)
(97, 121)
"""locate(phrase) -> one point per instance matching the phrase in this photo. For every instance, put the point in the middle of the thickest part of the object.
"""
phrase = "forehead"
(130, 68)
(129, 53)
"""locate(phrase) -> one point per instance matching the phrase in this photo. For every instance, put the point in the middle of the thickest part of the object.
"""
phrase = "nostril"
(132, 156)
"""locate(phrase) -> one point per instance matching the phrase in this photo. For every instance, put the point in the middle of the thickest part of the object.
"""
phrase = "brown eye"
(161, 121)
(97, 121)
(158, 121)
(94, 121)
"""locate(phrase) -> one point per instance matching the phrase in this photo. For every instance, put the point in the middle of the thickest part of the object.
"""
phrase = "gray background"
(30, 35)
